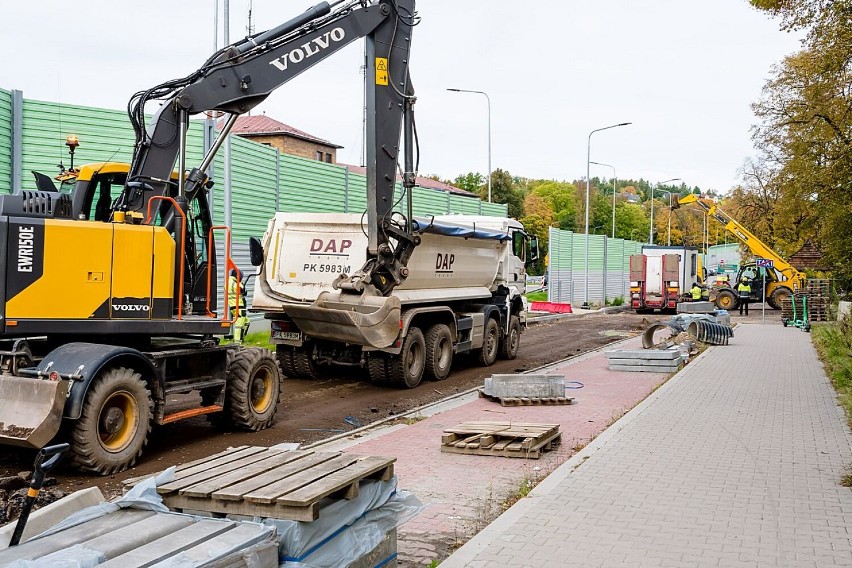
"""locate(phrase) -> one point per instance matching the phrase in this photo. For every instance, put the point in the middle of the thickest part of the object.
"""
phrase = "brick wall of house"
(296, 147)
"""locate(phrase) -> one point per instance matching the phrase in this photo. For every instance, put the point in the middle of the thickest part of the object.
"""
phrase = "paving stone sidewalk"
(736, 461)
(465, 492)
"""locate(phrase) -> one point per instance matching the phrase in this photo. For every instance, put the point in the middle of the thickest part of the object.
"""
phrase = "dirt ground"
(315, 410)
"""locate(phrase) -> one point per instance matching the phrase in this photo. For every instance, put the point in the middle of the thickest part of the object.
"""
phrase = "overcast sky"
(684, 72)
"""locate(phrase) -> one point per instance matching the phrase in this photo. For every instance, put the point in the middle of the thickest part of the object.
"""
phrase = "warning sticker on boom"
(381, 71)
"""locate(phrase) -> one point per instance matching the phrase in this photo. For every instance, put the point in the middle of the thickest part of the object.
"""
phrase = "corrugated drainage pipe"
(708, 332)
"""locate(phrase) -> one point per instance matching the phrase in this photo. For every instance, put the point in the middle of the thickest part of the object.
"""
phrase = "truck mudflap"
(366, 320)
(30, 410)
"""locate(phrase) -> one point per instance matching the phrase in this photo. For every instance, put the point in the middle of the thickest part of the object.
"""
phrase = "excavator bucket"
(30, 410)
(363, 320)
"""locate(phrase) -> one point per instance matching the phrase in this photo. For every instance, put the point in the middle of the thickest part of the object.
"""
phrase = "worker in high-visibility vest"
(744, 291)
(696, 292)
(237, 306)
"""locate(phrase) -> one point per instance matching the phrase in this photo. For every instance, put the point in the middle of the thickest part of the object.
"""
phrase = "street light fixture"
(613, 193)
(588, 181)
(489, 132)
(653, 189)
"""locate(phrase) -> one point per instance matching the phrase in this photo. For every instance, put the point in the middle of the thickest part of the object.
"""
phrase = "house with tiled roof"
(420, 181)
(285, 138)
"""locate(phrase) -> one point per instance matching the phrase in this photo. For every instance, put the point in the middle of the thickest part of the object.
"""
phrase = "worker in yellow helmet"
(744, 292)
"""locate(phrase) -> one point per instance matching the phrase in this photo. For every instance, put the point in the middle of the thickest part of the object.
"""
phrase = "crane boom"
(757, 247)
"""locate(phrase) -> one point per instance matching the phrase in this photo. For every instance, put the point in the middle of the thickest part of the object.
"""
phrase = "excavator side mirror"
(255, 251)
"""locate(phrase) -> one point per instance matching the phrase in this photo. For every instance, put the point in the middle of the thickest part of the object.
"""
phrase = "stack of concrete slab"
(522, 389)
(696, 308)
(647, 360)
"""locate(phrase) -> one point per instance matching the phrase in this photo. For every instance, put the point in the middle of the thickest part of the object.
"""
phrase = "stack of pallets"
(267, 482)
(503, 439)
(818, 291)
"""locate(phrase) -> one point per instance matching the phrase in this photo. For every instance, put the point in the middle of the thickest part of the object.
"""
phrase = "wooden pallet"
(251, 480)
(525, 401)
(503, 439)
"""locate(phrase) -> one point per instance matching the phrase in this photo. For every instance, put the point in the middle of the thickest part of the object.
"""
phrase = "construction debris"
(696, 308)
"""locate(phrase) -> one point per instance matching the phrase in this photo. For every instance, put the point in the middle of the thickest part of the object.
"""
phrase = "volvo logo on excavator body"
(308, 49)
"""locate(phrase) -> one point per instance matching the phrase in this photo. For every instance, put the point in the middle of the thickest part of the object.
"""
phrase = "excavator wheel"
(439, 351)
(407, 368)
(512, 340)
(726, 300)
(254, 389)
(297, 363)
(490, 343)
(778, 296)
(115, 422)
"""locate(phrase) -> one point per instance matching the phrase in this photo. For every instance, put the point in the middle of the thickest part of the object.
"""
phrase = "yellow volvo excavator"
(108, 299)
(781, 281)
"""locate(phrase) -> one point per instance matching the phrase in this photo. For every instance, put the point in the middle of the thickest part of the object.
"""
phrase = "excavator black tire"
(778, 296)
(254, 389)
(439, 352)
(490, 343)
(114, 424)
(296, 362)
(512, 340)
(726, 300)
(407, 368)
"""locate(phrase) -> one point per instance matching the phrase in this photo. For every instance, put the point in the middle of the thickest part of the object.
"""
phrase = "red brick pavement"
(464, 492)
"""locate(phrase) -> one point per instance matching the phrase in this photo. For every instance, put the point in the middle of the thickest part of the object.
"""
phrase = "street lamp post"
(613, 193)
(489, 132)
(653, 189)
(588, 181)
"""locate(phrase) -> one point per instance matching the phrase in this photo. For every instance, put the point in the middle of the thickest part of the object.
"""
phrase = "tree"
(560, 196)
(504, 189)
(805, 134)
(471, 181)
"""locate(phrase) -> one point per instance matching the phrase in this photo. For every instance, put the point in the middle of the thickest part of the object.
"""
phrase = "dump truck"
(108, 306)
(463, 294)
(782, 280)
(660, 275)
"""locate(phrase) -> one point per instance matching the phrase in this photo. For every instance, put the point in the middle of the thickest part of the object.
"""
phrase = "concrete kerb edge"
(423, 410)
(471, 548)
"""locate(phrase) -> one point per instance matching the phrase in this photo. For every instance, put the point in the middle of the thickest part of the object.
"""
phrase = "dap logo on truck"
(331, 247)
(444, 263)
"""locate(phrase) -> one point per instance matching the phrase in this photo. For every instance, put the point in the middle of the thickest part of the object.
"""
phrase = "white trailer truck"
(661, 274)
(463, 294)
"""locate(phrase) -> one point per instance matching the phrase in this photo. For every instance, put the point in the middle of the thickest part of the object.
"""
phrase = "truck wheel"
(114, 424)
(490, 343)
(726, 300)
(254, 389)
(439, 352)
(778, 296)
(297, 363)
(407, 368)
(512, 340)
(377, 366)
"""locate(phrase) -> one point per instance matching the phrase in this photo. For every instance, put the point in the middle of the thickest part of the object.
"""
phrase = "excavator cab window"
(101, 191)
